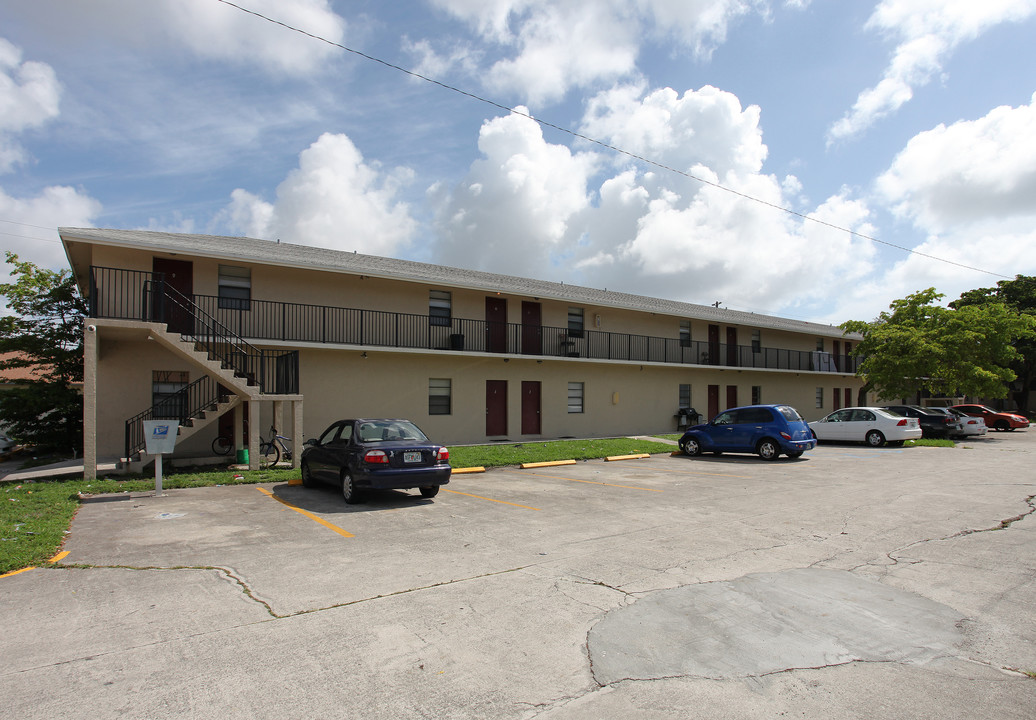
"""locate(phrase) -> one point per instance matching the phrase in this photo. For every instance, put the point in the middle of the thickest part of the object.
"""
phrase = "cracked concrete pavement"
(854, 582)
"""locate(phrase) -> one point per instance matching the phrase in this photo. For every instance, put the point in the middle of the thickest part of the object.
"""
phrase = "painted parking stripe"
(60, 556)
(503, 502)
(311, 516)
(596, 482)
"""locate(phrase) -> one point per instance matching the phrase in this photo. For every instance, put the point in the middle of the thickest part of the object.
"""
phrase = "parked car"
(970, 425)
(768, 430)
(994, 419)
(870, 425)
(382, 454)
(956, 429)
(933, 424)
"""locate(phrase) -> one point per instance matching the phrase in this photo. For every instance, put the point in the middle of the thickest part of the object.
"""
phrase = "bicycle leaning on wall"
(270, 451)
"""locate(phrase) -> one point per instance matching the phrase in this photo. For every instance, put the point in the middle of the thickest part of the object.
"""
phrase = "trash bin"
(242, 456)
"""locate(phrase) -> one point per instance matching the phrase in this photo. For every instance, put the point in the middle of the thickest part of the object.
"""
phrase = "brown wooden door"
(732, 348)
(496, 325)
(496, 407)
(178, 276)
(836, 354)
(837, 398)
(713, 401)
(731, 396)
(532, 337)
(530, 407)
(848, 397)
(713, 355)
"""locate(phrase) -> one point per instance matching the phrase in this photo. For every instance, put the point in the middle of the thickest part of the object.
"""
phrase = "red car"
(995, 420)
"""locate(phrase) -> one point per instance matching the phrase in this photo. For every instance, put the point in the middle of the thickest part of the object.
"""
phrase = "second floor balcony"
(136, 295)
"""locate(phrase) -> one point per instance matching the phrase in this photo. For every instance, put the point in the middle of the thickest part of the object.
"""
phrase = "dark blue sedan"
(768, 430)
(377, 454)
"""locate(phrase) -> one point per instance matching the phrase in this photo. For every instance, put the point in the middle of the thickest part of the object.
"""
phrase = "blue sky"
(912, 122)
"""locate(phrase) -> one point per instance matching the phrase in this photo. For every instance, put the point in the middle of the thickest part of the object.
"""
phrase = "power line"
(605, 145)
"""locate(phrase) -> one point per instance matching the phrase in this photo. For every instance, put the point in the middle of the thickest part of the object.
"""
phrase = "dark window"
(757, 394)
(440, 307)
(685, 333)
(685, 396)
(575, 322)
(235, 287)
(169, 403)
(440, 396)
(757, 341)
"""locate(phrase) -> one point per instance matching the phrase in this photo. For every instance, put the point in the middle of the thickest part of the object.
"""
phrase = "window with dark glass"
(235, 287)
(685, 396)
(440, 396)
(757, 341)
(575, 322)
(757, 394)
(685, 333)
(169, 403)
(440, 307)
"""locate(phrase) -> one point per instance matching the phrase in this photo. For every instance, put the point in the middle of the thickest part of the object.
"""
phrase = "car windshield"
(390, 430)
(789, 413)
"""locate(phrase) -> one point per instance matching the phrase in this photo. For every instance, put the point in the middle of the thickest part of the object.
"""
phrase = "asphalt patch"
(769, 622)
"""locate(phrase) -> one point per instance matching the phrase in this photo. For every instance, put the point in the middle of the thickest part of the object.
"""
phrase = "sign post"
(159, 440)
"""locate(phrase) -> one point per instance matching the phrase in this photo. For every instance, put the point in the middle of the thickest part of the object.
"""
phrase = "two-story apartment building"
(228, 333)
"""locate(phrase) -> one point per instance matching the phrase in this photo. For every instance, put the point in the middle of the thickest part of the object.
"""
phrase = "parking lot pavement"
(853, 582)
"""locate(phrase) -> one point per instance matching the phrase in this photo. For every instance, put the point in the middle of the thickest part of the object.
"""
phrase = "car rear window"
(790, 414)
(755, 415)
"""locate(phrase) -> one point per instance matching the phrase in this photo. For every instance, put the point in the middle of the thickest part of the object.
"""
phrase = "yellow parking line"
(504, 502)
(311, 516)
(59, 556)
(15, 572)
(595, 482)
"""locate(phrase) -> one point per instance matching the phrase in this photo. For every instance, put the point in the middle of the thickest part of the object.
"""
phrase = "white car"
(870, 425)
(971, 425)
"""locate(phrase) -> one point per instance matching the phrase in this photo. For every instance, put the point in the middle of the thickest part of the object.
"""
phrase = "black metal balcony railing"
(140, 295)
(118, 295)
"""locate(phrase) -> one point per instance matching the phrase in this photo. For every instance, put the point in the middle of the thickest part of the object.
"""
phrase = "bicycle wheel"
(269, 454)
(222, 446)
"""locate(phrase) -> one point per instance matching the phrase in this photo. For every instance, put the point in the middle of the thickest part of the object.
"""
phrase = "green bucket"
(242, 456)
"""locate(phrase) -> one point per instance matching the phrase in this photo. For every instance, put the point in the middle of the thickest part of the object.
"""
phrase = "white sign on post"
(159, 440)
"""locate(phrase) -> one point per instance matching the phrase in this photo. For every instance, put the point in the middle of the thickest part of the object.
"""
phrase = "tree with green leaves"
(1019, 295)
(44, 333)
(923, 346)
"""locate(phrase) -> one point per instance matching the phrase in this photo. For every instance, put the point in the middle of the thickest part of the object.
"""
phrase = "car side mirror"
(312, 442)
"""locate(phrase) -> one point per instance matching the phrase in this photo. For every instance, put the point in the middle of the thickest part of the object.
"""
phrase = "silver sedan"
(870, 425)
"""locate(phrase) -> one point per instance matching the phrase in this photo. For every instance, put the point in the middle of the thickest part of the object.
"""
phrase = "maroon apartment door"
(530, 407)
(731, 396)
(496, 325)
(713, 345)
(713, 401)
(179, 276)
(532, 339)
(732, 348)
(496, 407)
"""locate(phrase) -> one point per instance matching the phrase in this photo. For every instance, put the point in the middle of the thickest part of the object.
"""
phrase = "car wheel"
(1001, 425)
(690, 446)
(875, 438)
(349, 492)
(307, 476)
(429, 491)
(768, 449)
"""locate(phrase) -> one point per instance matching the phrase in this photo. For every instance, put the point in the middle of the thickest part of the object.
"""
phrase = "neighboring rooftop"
(268, 252)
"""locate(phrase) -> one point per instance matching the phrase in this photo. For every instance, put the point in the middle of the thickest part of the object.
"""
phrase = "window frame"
(440, 396)
(580, 395)
(234, 287)
(576, 321)
(440, 308)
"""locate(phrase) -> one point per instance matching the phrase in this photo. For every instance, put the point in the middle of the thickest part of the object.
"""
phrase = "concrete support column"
(253, 434)
(296, 433)
(90, 401)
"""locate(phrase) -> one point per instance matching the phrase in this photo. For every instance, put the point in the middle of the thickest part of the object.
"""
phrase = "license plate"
(412, 457)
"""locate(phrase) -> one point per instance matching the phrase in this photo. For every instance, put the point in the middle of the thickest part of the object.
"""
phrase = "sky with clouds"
(814, 159)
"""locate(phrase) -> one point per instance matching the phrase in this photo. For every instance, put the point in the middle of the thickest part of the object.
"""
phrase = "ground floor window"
(757, 394)
(167, 400)
(685, 396)
(575, 397)
(820, 397)
(440, 396)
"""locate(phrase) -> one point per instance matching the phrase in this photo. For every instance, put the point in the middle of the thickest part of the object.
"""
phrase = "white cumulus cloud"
(29, 96)
(926, 32)
(334, 199)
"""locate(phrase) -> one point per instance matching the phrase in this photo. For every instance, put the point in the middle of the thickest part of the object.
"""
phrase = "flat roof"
(269, 252)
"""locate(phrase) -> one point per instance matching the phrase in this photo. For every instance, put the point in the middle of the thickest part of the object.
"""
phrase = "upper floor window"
(757, 341)
(575, 322)
(235, 287)
(820, 344)
(685, 333)
(440, 307)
